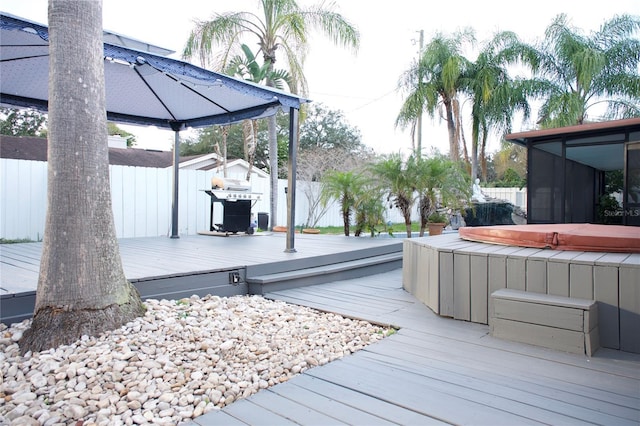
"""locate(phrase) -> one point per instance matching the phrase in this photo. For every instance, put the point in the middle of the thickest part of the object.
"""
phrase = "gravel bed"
(182, 359)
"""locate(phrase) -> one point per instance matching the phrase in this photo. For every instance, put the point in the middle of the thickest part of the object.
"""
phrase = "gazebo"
(147, 88)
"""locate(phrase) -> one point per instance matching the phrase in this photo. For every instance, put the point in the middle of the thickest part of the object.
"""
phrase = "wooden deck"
(163, 267)
(438, 371)
(434, 370)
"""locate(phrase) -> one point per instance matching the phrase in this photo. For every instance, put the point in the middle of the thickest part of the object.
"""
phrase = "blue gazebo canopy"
(142, 87)
(145, 88)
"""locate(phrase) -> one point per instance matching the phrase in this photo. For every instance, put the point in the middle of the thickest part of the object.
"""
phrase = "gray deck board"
(434, 370)
(250, 413)
(407, 390)
(441, 370)
(507, 386)
(162, 257)
(364, 403)
(292, 410)
(306, 407)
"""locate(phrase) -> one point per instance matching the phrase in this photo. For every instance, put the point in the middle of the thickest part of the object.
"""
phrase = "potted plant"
(436, 223)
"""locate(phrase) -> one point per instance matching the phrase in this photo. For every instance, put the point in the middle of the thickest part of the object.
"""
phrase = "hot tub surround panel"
(455, 278)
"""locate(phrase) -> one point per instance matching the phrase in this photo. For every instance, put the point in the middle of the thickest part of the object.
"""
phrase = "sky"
(363, 85)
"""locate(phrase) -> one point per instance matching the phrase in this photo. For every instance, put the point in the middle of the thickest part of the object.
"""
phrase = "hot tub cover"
(566, 236)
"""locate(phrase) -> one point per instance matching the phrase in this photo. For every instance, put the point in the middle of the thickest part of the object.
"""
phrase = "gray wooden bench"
(556, 322)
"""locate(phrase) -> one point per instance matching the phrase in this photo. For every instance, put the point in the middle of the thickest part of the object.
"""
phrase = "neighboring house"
(214, 162)
(35, 149)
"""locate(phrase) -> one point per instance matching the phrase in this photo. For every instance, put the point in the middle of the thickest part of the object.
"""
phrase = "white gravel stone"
(181, 360)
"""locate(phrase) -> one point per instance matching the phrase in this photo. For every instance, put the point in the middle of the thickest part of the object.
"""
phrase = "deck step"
(356, 268)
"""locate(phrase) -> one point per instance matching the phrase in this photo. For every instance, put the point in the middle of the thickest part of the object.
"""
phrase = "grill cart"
(236, 199)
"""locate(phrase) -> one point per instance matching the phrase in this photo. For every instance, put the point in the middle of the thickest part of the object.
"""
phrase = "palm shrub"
(397, 180)
(438, 180)
(345, 187)
(369, 209)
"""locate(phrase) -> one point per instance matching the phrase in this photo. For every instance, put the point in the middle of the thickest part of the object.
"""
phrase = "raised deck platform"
(455, 278)
(169, 268)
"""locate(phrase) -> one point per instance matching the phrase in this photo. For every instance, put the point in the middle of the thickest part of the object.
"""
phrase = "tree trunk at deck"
(82, 288)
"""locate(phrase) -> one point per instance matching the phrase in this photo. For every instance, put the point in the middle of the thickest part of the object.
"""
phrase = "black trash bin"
(263, 221)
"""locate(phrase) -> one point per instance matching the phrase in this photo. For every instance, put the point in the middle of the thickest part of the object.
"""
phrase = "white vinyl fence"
(142, 198)
(516, 196)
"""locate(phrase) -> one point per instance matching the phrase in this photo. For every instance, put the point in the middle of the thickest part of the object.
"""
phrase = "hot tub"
(565, 236)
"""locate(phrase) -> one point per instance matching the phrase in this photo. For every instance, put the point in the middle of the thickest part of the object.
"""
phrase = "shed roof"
(591, 128)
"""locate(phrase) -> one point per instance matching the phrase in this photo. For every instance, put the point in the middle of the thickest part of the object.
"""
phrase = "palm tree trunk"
(483, 157)
(458, 129)
(451, 128)
(346, 218)
(424, 207)
(252, 148)
(474, 148)
(82, 288)
(249, 133)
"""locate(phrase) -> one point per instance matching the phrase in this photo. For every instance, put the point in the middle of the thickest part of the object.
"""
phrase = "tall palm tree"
(249, 69)
(82, 288)
(279, 26)
(434, 81)
(494, 95)
(580, 72)
(344, 187)
(399, 182)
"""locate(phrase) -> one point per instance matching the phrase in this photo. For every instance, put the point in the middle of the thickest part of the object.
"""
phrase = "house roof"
(35, 149)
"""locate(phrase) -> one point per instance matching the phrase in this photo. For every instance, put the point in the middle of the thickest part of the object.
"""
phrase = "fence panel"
(516, 196)
(142, 201)
(23, 199)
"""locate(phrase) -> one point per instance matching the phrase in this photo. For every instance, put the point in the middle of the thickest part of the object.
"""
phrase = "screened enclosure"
(583, 174)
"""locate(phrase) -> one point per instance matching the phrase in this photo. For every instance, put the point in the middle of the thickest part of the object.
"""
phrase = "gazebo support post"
(175, 126)
(291, 177)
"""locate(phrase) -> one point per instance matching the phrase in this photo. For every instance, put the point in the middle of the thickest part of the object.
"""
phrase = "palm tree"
(434, 81)
(344, 187)
(280, 26)
(82, 288)
(399, 182)
(493, 93)
(580, 72)
(248, 68)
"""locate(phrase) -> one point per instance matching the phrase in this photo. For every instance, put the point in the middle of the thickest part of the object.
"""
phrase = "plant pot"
(279, 228)
(310, 231)
(436, 228)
